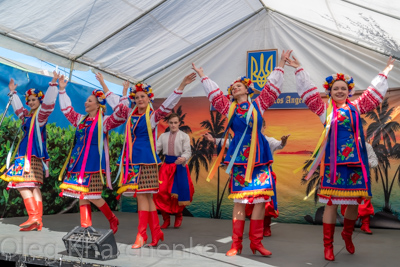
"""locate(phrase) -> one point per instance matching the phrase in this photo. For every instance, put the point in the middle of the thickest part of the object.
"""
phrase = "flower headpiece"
(247, 82)
(35, 92)
(330, 80)
(141, 87)
(100, 96)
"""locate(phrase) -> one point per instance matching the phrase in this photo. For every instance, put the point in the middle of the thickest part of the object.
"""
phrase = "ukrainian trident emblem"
(259, 65)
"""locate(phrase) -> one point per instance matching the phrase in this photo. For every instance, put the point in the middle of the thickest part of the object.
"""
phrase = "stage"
(199, 242)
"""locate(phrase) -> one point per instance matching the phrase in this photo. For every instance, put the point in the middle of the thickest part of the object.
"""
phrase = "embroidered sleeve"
(309, 94)
(117, 118)
(65, 103)
(187, 150)
(48, 104)
(113, 100)
(220, 102)
(271, 90)
(19, 109)
(373, 96)
(165, 108)
(274, 144)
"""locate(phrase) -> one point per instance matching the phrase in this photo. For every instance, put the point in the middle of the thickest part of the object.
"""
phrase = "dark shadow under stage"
(199, 242)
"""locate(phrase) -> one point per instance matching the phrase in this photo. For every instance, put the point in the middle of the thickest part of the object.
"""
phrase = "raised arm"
(65, 103)
(49, 100)
(171, 101)
(112, 99)
(307, 90)
(117, 118)
(373, 96)
(274, 144)
(16, 103)
(216, 97)
(272, 88)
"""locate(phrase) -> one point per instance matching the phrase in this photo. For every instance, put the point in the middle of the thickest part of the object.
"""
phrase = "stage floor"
(202, 242)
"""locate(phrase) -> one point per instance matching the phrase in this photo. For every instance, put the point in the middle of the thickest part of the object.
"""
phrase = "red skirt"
(164, 200)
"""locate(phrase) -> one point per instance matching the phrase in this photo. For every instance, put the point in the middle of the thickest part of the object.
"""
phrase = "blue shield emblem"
(259, 65)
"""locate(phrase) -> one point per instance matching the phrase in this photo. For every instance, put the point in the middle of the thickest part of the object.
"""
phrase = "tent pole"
(71, 69)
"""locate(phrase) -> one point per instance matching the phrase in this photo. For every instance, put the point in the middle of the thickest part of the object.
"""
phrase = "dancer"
(365, 210)
(176, 187)
(87, 168)
(139, 160)
(31, 158)
(250, 168)
(345, 174)
(271, 207)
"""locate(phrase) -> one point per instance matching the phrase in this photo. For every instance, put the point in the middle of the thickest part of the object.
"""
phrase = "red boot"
(237, 237)
(37, 227)
(156, 233)
(347, 232)
(365, 224)
(255, 236)
(105, 209)
(86, 215)
(178, 220)
(167, 220)
(267, 227)
(329, 230)
(33, 212)
(141, 237)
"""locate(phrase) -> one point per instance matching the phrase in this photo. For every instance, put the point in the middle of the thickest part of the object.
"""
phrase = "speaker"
(91, 243)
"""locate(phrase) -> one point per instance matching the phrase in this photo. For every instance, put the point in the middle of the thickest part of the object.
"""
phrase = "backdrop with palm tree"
(216, 127)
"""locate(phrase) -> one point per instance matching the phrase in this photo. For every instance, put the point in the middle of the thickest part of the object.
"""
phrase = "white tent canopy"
(156, 41)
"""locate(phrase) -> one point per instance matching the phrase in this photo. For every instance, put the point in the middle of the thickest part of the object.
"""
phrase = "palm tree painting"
(382, 131)
(201, 155)
(216, 127)
(184, 128)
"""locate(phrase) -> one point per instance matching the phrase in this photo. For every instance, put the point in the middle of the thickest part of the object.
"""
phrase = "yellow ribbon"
(253, 144)
(217, 162)
(323, 136)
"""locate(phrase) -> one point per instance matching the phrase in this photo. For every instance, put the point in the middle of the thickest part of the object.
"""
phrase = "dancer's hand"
(389, 65)
(209, 137)
(187, 80)
(284, 57)
(11, 85)
(56, 76)
(198, 70)
(180, 161)
(284, 139)
(100, 78)
(125, 88)
(293, 62)
(62, 82)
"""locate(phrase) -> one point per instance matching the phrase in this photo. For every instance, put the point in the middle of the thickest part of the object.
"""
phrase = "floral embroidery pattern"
(339, 179)
(238, 177)
(244, 154)
(262, 178)
(133, 174)
(355, 178)
(342, 118)
(347, 150)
